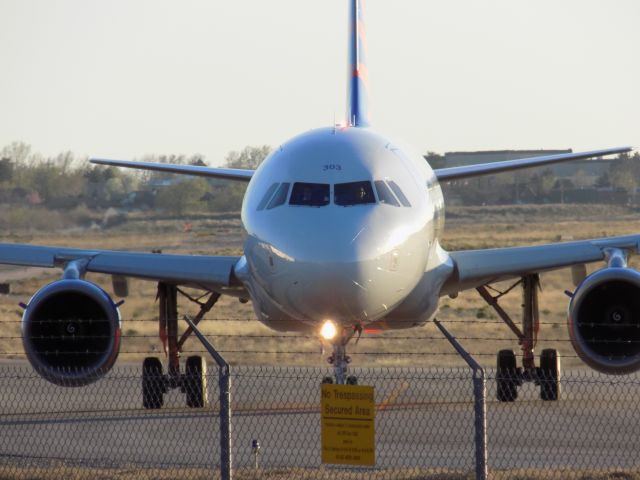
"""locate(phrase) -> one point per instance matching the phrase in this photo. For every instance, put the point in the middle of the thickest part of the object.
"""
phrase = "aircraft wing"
(467, 171)
(238, 174)
(206, 272)
(473, 268)
(443, 174)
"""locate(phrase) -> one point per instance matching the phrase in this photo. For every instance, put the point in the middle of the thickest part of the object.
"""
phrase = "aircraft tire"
(550, 375)
(195, 382)
(506, 376)
(152, 383)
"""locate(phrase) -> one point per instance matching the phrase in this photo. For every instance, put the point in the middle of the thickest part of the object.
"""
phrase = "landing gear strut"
(193, 383)
(508, 376)
(340, 360)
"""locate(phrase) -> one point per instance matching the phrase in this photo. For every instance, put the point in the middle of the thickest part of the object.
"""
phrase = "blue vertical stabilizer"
(358, 75)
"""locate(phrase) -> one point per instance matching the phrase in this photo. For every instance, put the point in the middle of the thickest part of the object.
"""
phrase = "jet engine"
(604, 320)
(71, 332)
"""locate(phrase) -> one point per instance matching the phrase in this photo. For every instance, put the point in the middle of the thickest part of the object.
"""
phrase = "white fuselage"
(330, 237)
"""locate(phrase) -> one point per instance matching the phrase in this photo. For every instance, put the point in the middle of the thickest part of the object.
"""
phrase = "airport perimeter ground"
(244, 341)
(67, 427)
(424, 428)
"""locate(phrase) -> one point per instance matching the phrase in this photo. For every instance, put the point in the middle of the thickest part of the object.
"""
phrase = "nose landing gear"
(340, 360)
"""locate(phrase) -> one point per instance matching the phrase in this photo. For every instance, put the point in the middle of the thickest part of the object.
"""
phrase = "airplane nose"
(347, 266)
(351, 273)
(343, 292)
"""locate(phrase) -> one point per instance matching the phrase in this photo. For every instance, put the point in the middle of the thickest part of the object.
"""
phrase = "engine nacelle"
(604, 320)
(71, 332)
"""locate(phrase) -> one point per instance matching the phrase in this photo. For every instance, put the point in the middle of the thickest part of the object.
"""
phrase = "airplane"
(343, 234)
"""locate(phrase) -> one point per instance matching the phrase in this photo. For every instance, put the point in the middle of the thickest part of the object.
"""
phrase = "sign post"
(348, 428)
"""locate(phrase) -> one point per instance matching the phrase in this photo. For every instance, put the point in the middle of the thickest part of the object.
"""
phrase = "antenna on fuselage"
(358, 78)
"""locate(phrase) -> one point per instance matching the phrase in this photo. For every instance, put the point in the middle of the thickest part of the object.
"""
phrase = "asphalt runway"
(424, 419)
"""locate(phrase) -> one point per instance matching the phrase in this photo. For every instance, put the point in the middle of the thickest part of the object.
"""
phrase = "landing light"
(328, 330)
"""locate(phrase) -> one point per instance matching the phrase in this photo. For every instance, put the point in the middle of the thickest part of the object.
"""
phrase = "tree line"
(65, 181)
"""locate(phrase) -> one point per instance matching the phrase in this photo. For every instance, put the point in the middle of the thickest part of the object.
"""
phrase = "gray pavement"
(424, 420)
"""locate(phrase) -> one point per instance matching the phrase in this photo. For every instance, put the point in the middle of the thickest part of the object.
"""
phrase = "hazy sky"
(124, 78)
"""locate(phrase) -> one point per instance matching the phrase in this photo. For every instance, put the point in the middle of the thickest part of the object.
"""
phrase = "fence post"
(224, 383)
(226, 468)
(480, 403)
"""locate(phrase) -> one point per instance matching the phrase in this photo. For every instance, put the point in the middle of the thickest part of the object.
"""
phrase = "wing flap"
(39, 256)
(180, 269)
(473, 268)
(205, 271)
(467, 171)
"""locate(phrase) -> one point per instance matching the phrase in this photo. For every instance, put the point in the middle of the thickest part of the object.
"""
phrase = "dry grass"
(57, 472)
(430, 474)
(72, 472)
(245, 341)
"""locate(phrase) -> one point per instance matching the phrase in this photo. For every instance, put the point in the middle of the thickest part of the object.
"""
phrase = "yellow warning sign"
(348, 429)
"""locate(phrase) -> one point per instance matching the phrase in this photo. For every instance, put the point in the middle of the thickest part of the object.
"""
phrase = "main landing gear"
(508, 375)
(340, 360)
(193, 382)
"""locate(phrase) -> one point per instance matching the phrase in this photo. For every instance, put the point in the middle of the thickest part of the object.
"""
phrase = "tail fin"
(357, 108)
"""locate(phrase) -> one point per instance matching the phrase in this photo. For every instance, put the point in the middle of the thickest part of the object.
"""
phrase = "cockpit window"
(353, 193)
(384, 194)
(267, 196)
(280, 197)
(401, 196)
(310, 194)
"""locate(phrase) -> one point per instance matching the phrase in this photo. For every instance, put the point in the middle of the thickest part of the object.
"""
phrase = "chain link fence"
(593, 431)
(424, 427)
(100, 430)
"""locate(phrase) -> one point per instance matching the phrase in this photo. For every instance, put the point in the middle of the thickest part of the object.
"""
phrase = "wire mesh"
(423, 421)
(101, 430)
(423, 426)
(594, 428)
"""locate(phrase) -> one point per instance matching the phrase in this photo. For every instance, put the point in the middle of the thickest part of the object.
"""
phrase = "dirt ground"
(231, 325)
